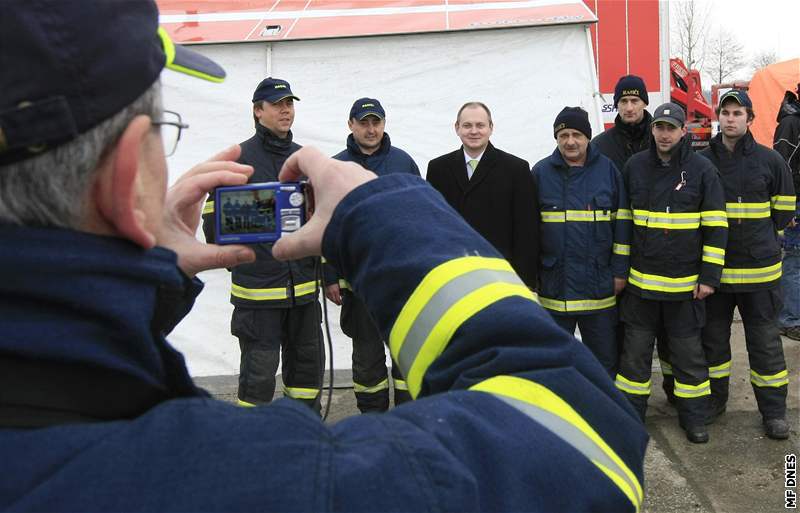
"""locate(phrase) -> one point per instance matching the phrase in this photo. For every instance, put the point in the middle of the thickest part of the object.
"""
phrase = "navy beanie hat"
(575, 118)
(631, 85)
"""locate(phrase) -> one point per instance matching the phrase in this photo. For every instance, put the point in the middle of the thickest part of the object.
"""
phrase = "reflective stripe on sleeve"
(749, 210)
(624, 214)
(692, 391)
(783, 203)
(752, 275)
(722, 370)
(343, 284)
(446, 298)
(775, 380)
(662, 283)
(621, 249)
(300, 393)
(383, 385)
(208, 207)
(550, 411)
(306, 288)
(714, 255)
(577, 305)
(714, 218)
(632, 387)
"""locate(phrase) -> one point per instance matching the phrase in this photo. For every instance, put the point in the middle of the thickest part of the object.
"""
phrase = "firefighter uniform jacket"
(679, 223)
(760, 201)
(266, 283)
(512, 414)
(585, 232)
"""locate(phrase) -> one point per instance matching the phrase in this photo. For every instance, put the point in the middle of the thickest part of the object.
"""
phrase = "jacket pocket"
(602, 222)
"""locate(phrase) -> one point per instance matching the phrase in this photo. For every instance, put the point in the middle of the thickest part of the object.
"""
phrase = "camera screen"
(251, 211)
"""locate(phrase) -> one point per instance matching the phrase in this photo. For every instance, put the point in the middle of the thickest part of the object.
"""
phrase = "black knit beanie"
(631, 85)
(575, 118)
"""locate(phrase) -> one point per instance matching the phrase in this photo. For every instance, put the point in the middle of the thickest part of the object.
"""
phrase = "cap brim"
(276, 100)
(376, 114)
(665, 119)
(188, 62)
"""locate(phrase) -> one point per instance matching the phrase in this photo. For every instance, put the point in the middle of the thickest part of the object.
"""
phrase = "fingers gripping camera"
(261, 212)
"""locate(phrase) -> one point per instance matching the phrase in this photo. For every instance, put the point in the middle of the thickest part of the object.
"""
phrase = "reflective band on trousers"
(665, 220)
(208, 208)
(550, 411)
(300, 393)
(444, 300)
(622, 249)
(559, 216)
(692, 391)
(749, 210)
(784, 202)
(577, 305)
(662, 283)
(752, 275)
(275, 294)
(775, 380)
(666, 367)
(383, 385)
(244, 404)
(632, 387)
(722, 370)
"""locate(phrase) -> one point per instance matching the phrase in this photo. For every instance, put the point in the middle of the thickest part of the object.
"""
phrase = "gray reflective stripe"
(574, 437)
(734, 273)
(711, 254)
(784, 205)
(711, 219)
(720, 371)
(777, 382)
(258, 294)
(383, 385)
(659, 283)
(637, 389)
(441, 301)
(672, 220)
(680, 388)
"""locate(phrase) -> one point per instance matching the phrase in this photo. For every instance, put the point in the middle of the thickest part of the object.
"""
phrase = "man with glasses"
(276, 313)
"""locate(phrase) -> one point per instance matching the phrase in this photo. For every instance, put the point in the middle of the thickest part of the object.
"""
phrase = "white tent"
(525, 74)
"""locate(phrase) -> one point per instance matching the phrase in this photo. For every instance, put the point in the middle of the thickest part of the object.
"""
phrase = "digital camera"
(260, 212)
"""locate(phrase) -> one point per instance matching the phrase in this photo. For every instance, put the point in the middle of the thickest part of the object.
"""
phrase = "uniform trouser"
(270, 335)
(370, 379)
(598, 333)
(759, 311)
(790, 286)
(682, 321)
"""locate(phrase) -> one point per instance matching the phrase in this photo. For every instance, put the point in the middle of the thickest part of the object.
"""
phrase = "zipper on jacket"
(739, 199)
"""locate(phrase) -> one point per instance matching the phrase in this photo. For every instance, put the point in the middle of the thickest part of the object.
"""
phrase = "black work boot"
(697, 434)
(776, 429)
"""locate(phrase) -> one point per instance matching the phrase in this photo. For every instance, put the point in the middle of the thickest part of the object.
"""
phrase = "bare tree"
(689, 21)
(763, 59)
(724, 57)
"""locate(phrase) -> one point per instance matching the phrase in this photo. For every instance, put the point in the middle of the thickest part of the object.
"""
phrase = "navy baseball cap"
(671, 113)
(364, 107)
(68, 65)
(739, 96)
(273, 90)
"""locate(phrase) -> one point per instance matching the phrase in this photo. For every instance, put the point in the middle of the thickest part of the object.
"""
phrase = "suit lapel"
(458, 169)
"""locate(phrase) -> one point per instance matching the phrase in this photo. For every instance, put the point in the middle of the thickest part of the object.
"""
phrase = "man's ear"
(116, 189)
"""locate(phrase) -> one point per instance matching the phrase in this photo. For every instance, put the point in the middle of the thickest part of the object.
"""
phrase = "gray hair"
(50, 189)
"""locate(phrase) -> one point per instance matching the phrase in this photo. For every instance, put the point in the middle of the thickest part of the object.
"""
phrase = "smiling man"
(677, 254)
(760, 202)
(491, 189)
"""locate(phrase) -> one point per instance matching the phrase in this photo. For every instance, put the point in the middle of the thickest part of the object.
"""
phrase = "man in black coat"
(493, 190)
(631, 131)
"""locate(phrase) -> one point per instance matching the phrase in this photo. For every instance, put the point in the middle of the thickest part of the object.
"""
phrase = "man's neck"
(366, 151)
(730, 142)
(474, 153)
(665, 157)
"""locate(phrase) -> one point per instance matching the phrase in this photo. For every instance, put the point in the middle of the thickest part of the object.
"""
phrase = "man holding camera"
(275, 308)
(370, 146)
(98, 411)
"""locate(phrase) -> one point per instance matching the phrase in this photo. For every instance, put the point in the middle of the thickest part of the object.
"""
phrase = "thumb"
(307, 241)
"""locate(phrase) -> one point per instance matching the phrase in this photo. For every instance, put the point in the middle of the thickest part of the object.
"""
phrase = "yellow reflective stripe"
(300, 393)
(553, 217)
(624, 214)
(780, 233)
(400, 384)
(714, 255)
(751, 275)
(691, 391)
(559, 216)
(343, 284)
(244, 404)
(208, 207)
(667, 220)
(441, 303)
(714, 218)
(383, 385)
(722, 370)
(621, 249)
(783, 203)
(323, 260)
(662, 283)
(577, 305)
(632, 387)
(275, 294)
(553, 413)
(748, 210)
(169, 52)
(775, 380)
(666, 367)
(308, 287)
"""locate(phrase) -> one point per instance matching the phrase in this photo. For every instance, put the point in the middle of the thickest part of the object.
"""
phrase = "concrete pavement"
(739, 470)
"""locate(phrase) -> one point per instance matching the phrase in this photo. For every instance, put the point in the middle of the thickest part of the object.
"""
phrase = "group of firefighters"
(631, 236)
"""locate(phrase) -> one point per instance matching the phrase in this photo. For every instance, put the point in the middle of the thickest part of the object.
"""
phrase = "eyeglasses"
(171, 127)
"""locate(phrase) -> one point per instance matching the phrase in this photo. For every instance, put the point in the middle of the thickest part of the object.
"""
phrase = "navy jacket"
(585, 232)
(512, 414)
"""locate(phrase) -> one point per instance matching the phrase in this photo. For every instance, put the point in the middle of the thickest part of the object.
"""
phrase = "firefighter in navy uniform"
(677, 252)
(370, 146)
(276, 311)
(760, 201)
(585, 236)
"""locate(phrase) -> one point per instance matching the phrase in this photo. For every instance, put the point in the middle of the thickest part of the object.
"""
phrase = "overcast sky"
(760, 25)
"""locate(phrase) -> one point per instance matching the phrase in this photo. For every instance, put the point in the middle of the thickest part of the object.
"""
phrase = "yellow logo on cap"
(561, 127)
(280, 86)
(630, 92)
(364, 106)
